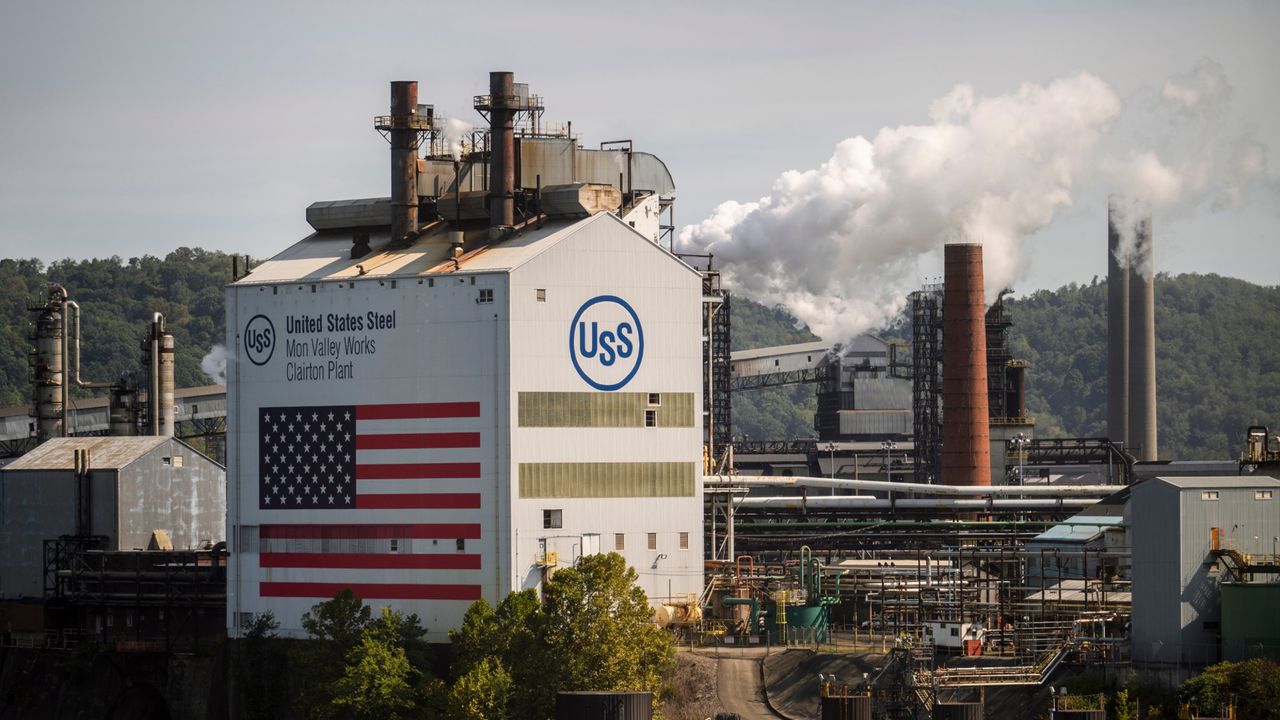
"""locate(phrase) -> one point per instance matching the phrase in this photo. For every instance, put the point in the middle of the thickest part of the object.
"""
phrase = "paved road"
(738, 685)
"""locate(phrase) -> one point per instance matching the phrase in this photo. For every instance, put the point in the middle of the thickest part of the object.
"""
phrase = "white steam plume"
(838, 245)
(1190, 156)
(456, 133)
(214, 364)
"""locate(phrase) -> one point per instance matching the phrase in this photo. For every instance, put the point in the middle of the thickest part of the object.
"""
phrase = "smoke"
(1176, 152)
(838, 245)
(456, 133)
(214, 364)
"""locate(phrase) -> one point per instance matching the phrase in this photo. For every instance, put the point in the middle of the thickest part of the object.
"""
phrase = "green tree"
(1122, 708)
(1253, 686)
(483, 693)
(259, 669)
(378, 681)
(592, 631)
(334, 628)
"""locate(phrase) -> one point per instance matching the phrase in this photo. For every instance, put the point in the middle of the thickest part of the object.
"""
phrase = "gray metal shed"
(123, 488)
(1176, 608)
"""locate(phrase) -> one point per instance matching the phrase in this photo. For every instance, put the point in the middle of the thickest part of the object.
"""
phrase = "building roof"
(105, 453)
(1078, 529)
(327, 256)
(1231, 481)
(780, 350)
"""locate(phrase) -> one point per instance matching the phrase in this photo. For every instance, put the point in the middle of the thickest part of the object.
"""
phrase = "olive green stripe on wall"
(606, 480)
(603, 409)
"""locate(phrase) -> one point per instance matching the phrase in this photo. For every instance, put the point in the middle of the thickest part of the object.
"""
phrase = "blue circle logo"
(259, 339)
(606, 342)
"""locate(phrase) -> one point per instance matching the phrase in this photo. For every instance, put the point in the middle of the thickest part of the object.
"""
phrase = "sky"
(134, 128)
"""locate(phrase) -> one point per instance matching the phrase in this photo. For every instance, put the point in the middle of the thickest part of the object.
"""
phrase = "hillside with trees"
(1218, 345)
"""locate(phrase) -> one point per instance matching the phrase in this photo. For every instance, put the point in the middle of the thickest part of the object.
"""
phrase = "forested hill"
(117, 298)
(1218, 345)
(1217, 355)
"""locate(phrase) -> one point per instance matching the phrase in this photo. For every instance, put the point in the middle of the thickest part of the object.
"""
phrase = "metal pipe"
(918, 488)
(502, 173)
(966, 433)
(863, 502)
(404, 160)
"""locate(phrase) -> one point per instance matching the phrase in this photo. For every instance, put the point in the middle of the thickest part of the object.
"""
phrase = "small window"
(653, 541)
(619, 542)
(955, 632)
(808, 358)
(552, 519)
(431, 282)
(177, 461)
(462, 544)
(1209, 495)
(473, 279)
(542, 294)
(775, 363)
(655, 399)
(485, 296)
(684, 541)
(651, 418)
(1263, 494)
(395, 545)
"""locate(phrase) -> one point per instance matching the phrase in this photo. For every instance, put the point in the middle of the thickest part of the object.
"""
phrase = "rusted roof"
(105, 453)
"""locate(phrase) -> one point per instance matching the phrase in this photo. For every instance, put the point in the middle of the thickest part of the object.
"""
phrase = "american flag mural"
(385, 459)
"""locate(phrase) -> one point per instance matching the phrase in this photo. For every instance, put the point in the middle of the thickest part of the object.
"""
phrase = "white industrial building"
(535, 399)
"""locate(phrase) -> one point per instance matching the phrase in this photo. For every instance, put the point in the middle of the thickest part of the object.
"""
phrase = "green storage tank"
(1249, 628)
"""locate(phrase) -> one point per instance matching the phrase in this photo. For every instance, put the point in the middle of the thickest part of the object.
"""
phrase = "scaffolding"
(926, 381)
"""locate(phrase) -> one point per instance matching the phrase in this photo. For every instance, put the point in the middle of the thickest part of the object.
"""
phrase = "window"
(655, 399)
(775, 363)
(1263, 494)
(542, 294)
(651, 418)
(653, 541)
(485, 296)
(955, 632)
(462, 544)
(1209, 495)
(619, 542)
(395, 545)
(552, 519)
(684, 541)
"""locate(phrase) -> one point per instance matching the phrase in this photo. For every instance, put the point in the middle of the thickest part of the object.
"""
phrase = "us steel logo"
(259, 339)
(606, 342)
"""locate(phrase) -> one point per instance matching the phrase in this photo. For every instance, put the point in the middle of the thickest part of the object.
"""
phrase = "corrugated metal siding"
(1175, 580)
(606, 480)
(598, 409)
(875, 422)
(881, 394)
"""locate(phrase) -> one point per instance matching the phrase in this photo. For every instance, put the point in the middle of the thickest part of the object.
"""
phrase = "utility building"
(123, 489)
(1189, 535)
(451, 412)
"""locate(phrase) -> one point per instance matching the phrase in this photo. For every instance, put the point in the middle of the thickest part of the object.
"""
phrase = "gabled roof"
(1233, 481)
(105, 453)
(327, 256)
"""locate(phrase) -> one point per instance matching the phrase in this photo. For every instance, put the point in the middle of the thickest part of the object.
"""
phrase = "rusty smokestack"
(1142, 343)
(1117, 326)
(966, 433)
(404, 160)
(502, 149)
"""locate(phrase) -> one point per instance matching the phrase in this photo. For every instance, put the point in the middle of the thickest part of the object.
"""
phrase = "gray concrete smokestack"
(404, 160)
(1141, 434)
(1117, 327)
(502, 149)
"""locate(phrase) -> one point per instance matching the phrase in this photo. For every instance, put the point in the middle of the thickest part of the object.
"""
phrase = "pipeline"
(863, 502)
(917, 488)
